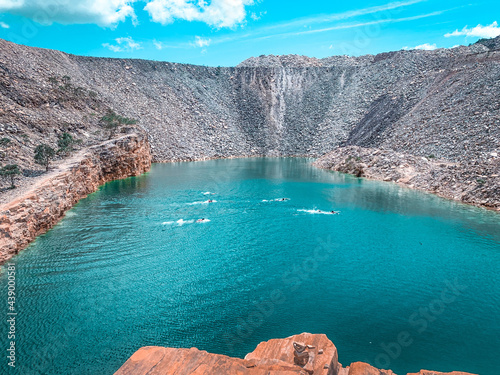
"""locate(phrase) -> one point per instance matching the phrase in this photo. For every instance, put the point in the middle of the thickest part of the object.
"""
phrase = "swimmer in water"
(335, 212)
(210, 201)
(200, 220)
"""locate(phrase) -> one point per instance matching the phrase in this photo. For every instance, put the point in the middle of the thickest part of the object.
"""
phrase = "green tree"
(44, 154)
(111, 122)
(10, 171)
(65, 143)
(5, 141)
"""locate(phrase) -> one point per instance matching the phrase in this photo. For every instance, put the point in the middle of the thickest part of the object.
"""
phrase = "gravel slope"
(441, 103)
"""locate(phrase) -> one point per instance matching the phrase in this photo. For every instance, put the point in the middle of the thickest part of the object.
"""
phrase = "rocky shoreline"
(473, 182)
(304, 354)
(41, 207)
(27, 214)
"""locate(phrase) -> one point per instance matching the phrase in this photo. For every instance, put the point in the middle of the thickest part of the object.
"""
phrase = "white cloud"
(125, 44)
(202, 42)
(218, 13)
(490, 31)
(113, 48)
(355, 25)
(389, 9)
(158, 45)
(3, 25)
(100, 12)
(256, 16)
(425, 47)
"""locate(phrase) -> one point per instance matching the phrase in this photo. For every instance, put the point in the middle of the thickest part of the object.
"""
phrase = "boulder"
(283, 350)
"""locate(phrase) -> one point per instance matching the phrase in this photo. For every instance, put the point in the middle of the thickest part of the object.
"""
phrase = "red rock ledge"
(273, 357)
(40, 208)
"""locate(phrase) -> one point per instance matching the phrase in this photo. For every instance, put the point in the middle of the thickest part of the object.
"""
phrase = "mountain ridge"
(439, 104)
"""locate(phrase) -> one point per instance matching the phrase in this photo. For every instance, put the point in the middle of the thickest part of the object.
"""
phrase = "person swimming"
(335, 212)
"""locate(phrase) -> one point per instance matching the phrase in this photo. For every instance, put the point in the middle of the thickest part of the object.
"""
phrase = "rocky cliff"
(273, 357)
(47, 200)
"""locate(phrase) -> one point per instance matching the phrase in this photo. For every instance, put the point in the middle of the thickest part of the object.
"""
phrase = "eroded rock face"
(273, 357)
(442, 102)
(41, 208)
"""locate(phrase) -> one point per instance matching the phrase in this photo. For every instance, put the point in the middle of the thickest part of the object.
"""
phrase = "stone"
(283, 350)
(467, 181)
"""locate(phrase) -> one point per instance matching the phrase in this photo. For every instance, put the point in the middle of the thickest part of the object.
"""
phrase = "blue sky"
(225, 32)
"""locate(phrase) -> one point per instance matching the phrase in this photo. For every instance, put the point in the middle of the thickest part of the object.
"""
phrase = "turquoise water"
(129, 266)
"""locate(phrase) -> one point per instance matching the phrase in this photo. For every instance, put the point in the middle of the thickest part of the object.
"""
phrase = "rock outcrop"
(466, 181)
(40, 208)
(324, 357)
(153, 359)
(273, 357)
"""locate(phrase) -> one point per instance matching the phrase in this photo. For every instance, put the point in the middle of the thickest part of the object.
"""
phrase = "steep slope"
(441, 103)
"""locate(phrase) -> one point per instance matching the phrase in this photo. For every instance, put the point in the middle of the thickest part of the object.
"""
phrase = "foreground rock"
(157, 360)
(45, 204)
(471, 182)
(323, 357)
(273, 357)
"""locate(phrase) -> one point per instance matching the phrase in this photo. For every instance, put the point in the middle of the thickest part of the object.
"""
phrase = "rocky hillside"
(441, 103)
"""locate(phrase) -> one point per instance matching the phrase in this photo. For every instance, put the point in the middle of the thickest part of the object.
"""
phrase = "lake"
(223, 254)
